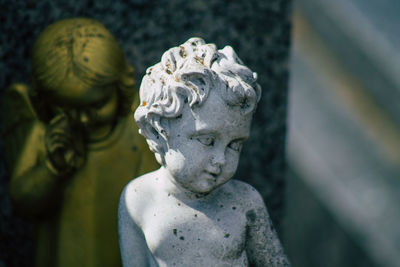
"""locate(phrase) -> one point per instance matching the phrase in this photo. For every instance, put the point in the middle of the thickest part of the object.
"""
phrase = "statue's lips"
(211, 176)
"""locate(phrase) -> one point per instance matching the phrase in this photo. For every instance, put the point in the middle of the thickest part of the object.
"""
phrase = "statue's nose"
(84, 118)
(218, 158)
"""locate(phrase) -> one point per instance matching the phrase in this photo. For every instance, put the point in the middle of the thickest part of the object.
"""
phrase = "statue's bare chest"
(176, 232)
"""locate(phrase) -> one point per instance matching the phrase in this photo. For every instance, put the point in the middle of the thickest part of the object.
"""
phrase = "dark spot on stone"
(221, 206)
(179, 135)
(169, 194)
(218, 220)
(186, 100)
(174, 231)
(134, 148)
(195, 215)
(100, 35)
(251, 215)
(180, 116)
(226, 235)
(233, 207)
(182, 238)
(198, 239)
(85, 59)
(179, 204)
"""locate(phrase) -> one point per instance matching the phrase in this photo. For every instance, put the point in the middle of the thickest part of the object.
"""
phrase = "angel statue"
(69, 144)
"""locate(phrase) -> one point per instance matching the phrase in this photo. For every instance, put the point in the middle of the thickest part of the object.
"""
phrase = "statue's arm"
(134, 250)
(36, 191)
(35, 186)
(262, 243)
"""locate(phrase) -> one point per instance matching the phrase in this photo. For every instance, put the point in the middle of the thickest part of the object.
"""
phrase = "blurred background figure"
(343, 184)
(70, 145)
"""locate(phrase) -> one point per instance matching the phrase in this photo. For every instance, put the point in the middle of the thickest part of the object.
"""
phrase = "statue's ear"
(156, 133)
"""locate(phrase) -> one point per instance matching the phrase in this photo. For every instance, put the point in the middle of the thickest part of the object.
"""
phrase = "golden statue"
(70, 145)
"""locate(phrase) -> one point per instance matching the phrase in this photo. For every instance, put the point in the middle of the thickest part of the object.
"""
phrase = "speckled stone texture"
(259, 31)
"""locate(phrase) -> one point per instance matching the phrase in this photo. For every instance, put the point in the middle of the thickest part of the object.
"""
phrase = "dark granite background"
(258, 30)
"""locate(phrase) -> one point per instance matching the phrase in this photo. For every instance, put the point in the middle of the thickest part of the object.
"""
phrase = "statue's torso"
(195, 235)
(84, 231)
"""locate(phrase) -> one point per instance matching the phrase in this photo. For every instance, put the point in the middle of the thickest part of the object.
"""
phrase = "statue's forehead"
(215, 113)
(79, 94)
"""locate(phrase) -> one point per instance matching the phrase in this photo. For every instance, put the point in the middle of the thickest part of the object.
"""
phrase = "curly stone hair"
(185, 75)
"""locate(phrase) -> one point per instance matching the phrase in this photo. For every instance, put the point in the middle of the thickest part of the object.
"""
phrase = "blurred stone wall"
(258, 30)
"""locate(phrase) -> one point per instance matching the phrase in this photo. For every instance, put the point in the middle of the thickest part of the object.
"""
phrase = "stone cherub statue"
(195, 112)
(69, 144)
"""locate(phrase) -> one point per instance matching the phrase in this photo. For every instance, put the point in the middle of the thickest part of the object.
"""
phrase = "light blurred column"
(343, 190)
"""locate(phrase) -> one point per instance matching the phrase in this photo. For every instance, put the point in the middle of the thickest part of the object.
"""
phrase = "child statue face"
(204, 145)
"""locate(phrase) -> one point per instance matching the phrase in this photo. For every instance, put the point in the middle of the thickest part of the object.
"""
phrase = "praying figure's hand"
(64, 145)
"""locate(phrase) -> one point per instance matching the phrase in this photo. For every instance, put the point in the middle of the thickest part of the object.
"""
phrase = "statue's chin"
(97, 133)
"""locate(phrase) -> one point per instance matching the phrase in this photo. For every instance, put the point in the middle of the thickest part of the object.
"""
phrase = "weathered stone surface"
(259, 31)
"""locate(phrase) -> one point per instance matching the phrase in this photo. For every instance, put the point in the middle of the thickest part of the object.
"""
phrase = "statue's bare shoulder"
(136, 195)
(133, 203)
(244, 193)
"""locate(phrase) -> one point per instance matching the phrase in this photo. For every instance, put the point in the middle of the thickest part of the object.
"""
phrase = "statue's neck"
(174, 189)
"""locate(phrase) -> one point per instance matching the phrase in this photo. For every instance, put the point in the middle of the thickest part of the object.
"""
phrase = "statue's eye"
(100, 103)
(206, 140)
(235, 145)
